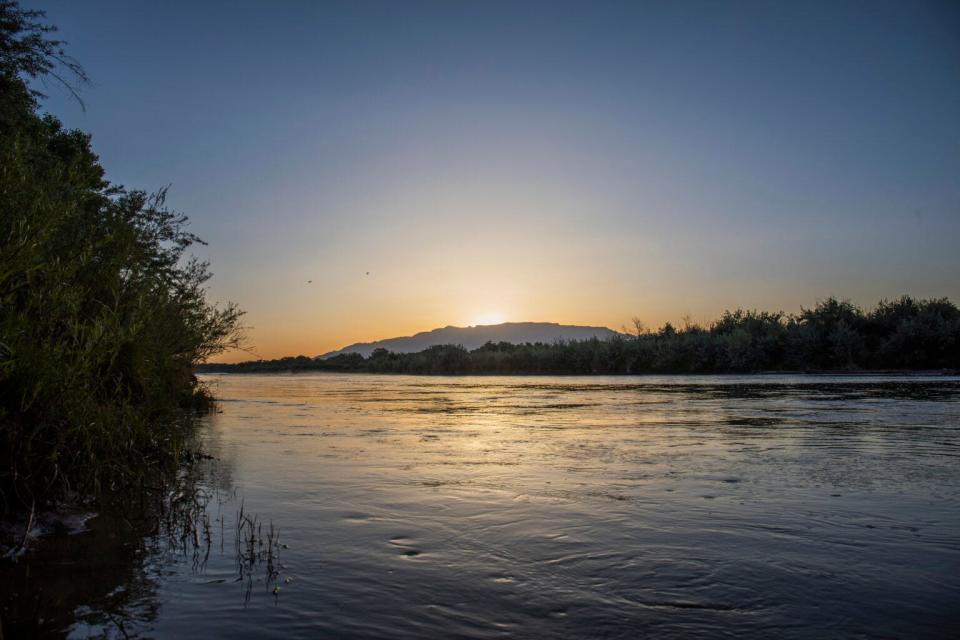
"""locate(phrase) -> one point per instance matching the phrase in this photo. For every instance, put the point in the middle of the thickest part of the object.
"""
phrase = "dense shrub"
(835, 335)
(102, 314)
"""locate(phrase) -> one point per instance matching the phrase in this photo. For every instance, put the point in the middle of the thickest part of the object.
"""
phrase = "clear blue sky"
(577, 162)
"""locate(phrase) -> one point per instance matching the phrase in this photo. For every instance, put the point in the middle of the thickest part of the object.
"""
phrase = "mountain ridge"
(472, 337)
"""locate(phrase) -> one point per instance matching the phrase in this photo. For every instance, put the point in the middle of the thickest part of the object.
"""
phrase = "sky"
(452, 163)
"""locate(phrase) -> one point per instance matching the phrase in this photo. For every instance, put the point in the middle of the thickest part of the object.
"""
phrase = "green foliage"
(834, 335)
(26, 48)
(103, 315)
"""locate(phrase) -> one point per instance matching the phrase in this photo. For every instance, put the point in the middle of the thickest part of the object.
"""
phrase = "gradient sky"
(572, 162)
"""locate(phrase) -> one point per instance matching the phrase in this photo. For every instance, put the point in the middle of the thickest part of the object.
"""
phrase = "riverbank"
(905, 334)
(251, 368)
(103, 310)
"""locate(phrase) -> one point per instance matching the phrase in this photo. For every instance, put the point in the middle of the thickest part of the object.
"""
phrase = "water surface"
(560, 507)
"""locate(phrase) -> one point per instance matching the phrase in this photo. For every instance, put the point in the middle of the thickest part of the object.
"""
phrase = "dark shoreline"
(904, 336)
(913, 373)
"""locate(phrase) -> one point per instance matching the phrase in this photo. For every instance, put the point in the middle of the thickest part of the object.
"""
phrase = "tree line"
(834, 335)
(103, 314)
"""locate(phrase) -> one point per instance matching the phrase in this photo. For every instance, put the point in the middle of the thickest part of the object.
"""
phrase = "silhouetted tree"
(834, 335)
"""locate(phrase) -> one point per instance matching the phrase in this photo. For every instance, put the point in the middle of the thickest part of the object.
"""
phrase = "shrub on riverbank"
(102, 314)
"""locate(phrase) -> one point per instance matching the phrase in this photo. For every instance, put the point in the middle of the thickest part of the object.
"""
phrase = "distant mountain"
(473, 337)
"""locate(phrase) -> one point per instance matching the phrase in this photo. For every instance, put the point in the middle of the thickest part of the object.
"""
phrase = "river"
(548, 507)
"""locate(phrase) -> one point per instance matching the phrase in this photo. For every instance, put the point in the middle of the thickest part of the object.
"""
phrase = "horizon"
(237, 357)
(367, 170)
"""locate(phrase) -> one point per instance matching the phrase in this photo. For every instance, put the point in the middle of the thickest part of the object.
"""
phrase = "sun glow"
(490, 317)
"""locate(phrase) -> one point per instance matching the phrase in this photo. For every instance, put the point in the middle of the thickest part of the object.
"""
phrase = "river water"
(555, 507)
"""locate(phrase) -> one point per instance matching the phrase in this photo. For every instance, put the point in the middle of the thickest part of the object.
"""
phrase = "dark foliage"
(27, 49)
(833, 336)
(103, 315)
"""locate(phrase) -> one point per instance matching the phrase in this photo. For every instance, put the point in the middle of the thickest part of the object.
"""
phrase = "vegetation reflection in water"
(100, 576)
